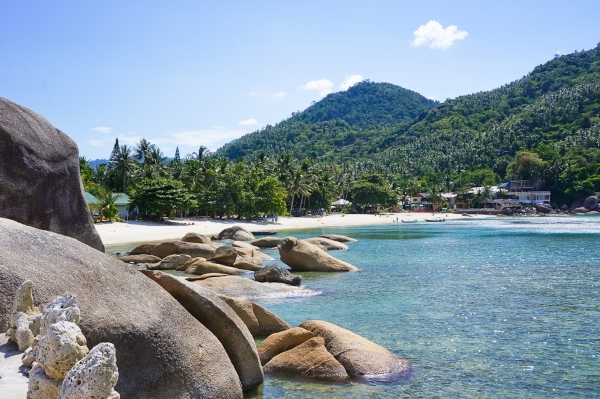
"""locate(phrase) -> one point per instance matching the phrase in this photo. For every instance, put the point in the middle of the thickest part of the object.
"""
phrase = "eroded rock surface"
(276, 274)
(304, 256)
(259, 320)
(283, 341)
(25, 317)
(60, 348)
(326, 244)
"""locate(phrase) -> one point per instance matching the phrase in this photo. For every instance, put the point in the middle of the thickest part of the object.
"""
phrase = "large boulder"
(171, 262)
(197, 238)
(225, 256)
(139, 258)
(236, 233)
(247, 263)
(304, 256)
(258, 319)
(162, 350)
(591, 203)
(267, 242)
(201, 266)
(338, 237)
(243, 244)
(543, 208)
(142, 249)
(39, 176)
(192, 249)
(359, 356)
(326, 244)
(245, 288)
(276, 274)
(219, 318)
(581, 210)
(309, 360)
(282, 341)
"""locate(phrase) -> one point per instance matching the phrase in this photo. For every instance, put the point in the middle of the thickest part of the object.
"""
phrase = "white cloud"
(350, 81)
(248, 122)
(278, 95)
(103, 129)
(323, 86)
(435, 36)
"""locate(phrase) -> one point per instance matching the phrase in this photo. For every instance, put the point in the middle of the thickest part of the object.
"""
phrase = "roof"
(123, 199)
(503, 185)
(90, 198)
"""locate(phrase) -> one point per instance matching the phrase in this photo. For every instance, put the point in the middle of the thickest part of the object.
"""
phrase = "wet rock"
(259, 320)
(276, 274)
(301, 255)
(326, 244)
(283, 341)
(338, 237)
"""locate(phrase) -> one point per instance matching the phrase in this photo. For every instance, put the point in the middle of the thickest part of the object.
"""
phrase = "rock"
(41, 386)
(267, 242)
(171, 262)
(225, 256)
(221, 320)
(301, 255)
(309, 360)
(276, 274)
(39, 176)
(245, 263)
(142, 249)
(205, 276)
(61, 308)
(140, 258)
(196, 237)
(245, 288)
(543, 208)
(200, 267)
(194, 250)
(591, 203)
(162, 350)
(258, 319)
(252, 253)
(94, 376)
(236, 233)
(358, 355)
(242, 244)
(61, 347)
(25, 317)
(282, 341)
(326, 244)
(581, 210)
(338, 237)
(564, 208)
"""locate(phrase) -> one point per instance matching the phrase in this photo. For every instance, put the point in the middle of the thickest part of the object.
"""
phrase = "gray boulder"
(304, 256)
(197, 238)
(236, 233)
(591, 203)
(267, 242)
(139, 258)
(581, 210)
(543, 208)
(245, 288)
(338, 237)
(162, 350)
(39, 176)
(192, 249)
(276, 274)
(142, 249)
(326, 244)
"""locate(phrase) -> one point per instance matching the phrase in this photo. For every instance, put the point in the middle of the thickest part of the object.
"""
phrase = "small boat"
(409, 221)
(438, 219)
(263, 233)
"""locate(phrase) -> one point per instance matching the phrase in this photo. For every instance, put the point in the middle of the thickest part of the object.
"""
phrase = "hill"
(353, 121)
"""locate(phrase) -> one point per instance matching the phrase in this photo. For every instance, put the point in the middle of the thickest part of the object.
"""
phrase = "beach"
(116, 233)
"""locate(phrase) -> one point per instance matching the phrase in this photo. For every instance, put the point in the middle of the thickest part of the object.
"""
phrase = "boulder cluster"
(56, 350)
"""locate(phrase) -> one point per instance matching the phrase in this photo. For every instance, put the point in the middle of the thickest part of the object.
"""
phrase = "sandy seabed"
(138, 231)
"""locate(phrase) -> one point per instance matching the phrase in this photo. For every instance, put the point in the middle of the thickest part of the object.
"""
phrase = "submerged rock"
(276, 274)
(304, 256)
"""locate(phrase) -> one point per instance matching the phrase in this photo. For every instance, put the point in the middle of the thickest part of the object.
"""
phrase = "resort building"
(524, 192)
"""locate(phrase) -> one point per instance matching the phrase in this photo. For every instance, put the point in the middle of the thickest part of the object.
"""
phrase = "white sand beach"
(140, 231)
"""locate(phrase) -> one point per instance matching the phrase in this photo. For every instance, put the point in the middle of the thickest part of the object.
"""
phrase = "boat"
(438, 219)
(409, 221)
(263, 233)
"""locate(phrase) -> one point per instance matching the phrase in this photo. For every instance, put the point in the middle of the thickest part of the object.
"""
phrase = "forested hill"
(365, 113)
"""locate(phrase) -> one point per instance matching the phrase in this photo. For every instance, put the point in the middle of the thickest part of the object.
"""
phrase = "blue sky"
(191, 73)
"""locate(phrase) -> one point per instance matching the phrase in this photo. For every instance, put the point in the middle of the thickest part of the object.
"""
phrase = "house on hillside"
(525, 192)
(421, 201)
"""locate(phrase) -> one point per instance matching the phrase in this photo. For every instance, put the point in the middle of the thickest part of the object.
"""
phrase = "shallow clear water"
(497, 308)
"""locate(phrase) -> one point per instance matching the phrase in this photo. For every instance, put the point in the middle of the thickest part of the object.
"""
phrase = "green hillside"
(358, 120)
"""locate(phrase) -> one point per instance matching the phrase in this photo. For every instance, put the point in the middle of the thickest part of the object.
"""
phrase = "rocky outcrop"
(139, 258)
(176, 247)
(203, 267)
(41, 386)
(60, 348)
(225, 256)
(162, 350)
(581, 210)
(221, 320)
(25, 317)
(236, 233)
(94, 376)
(591, 203)
(326, 244)
(309, 360)
(243, 244)
(39, 176)
(301, 255)
(543, 208)
(171, 262)
(359, 356)
(267, 242)
(196, 237)
(283, 341)
(245, 288)
(142, 249)
(247, 263)
(276, 274)
(259, 320)
(338, 237)
(252, 253)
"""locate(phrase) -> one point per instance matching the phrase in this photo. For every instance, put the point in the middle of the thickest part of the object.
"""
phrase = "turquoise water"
(497, 308)
(500, 308)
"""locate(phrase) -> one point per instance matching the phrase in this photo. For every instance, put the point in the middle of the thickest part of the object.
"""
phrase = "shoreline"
(132, 232)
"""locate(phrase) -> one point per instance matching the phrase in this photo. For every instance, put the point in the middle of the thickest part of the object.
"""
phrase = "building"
(122, 203)
(525, 192)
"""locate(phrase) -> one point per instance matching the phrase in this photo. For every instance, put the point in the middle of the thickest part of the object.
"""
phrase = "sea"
(482, 308)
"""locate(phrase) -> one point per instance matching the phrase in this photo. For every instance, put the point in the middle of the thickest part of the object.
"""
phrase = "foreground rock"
(338, 237)
(236, 233)
(276, 274)
(162, 350)
(221, 320)
(243, 244)
(197, 238)
(359, 356)
(225, 256)
(283, 341)
(301, 255)
(25, 317)
(259, 320)
(247, 263)
(245, 288)
(176, 247)
(309, 360)
(326, 244)
(39, 176)
(267, 242)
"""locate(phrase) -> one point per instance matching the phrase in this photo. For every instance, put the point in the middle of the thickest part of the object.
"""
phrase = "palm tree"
(142, 148)
(124, 165)
(106, 204)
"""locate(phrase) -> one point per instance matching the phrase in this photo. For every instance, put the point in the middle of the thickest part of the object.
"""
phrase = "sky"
(196, 73)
